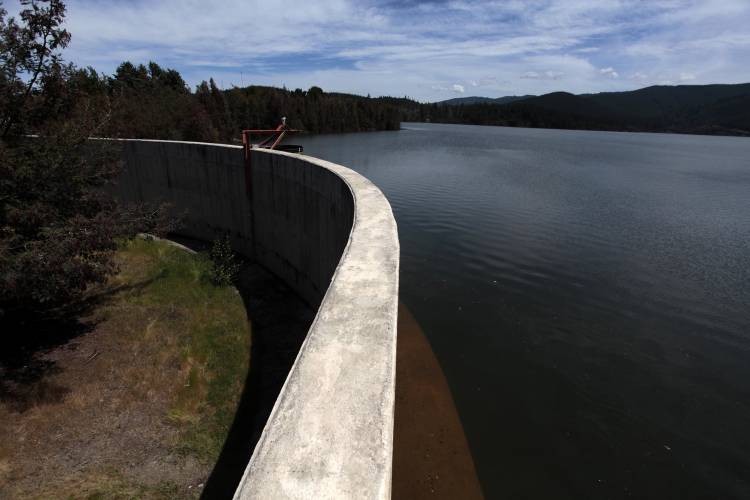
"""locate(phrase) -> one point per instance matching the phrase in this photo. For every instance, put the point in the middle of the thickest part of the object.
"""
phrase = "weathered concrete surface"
(302, 212)
(330, 234)
(204, 182)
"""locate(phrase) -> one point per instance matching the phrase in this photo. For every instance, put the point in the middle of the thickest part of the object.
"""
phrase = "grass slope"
(211, 326)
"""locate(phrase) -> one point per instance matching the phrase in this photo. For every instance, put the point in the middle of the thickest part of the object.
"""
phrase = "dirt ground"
(90, 417)
(431, 457)
(104, 413)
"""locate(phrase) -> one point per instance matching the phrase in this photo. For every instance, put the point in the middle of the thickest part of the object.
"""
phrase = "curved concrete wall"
(330, 234)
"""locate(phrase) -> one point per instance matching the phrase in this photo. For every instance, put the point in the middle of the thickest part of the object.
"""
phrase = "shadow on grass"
(29, 336)
(279, 320)
(23, 365)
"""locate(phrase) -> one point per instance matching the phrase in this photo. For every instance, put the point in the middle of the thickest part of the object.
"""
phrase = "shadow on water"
(280, 320)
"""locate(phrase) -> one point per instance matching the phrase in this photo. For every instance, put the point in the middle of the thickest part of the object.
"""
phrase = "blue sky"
(426, 50)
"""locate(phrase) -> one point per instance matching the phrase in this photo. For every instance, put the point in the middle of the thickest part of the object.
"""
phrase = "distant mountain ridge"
(484, 100)
(706, 109)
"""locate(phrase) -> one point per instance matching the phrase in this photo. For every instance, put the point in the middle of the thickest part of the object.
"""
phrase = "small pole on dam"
(272, 141)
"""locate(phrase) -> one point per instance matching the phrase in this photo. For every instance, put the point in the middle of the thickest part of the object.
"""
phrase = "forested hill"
(313, 110)
(155, 103)
(484, 100)
(704, 109)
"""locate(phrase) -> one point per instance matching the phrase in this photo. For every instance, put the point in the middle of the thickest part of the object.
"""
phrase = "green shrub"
(224, 264)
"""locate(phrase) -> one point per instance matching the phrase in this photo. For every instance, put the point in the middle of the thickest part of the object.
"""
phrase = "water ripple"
(588, 295)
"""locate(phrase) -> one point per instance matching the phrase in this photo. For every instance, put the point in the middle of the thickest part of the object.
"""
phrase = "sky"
(428, 51)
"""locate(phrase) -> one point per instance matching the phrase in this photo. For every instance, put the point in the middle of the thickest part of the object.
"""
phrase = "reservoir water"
(587, 295)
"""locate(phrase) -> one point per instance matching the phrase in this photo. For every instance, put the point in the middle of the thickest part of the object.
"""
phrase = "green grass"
(211, 326)
(115, 487)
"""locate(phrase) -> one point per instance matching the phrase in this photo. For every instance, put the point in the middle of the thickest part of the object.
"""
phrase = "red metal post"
(246, 146)
(275, 136)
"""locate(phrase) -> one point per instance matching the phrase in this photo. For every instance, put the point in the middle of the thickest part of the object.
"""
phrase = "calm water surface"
(588, 296)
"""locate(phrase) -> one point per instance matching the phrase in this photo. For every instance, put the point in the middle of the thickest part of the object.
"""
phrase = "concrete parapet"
(330, 234)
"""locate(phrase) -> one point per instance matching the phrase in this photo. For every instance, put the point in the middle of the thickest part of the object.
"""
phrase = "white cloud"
(459, 89)
(544, 75)
(399, 49)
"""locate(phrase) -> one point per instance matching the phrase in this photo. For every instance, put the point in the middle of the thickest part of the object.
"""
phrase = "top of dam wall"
(330, 434)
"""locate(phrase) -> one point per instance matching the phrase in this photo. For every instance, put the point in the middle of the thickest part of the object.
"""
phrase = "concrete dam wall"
(329, 233)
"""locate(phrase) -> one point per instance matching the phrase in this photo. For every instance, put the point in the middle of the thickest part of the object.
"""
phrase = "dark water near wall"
(588, 296)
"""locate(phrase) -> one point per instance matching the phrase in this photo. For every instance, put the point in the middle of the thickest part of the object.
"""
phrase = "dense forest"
(148, 101)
